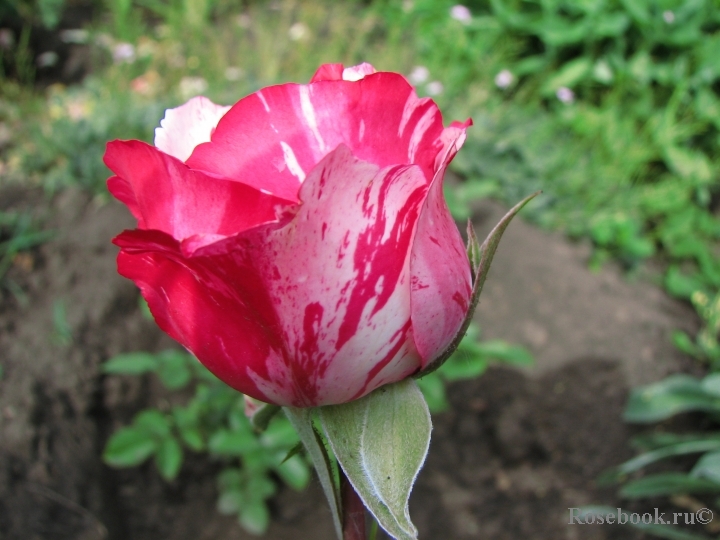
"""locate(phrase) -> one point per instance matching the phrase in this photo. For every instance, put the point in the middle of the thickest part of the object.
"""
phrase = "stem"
(373, 529)
(353, 510)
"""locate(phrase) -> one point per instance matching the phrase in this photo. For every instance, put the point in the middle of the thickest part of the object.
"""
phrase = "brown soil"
(516, 450)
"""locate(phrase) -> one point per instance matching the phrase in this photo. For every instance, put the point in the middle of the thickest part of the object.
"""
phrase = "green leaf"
(645, 459)
(230, 502)
(463, 366)
(232, 443)
(135, 363)
(173, 369)
(502, 351)
(153, 422)
(671, 483)
(128, 447)
(255, 517)
(569, 75)
(301, 419)
(708, 466)
(294, 472)
(433, 388)
(381, 442)
(261, 418)
(168, 458)
(676, 394)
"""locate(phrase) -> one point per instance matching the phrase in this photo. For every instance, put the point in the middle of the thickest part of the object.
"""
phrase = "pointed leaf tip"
(381, 442)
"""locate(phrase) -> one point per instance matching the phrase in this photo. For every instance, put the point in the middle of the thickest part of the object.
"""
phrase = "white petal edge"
(186, 126)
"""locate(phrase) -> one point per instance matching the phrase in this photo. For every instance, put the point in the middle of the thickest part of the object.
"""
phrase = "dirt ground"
(516, 450)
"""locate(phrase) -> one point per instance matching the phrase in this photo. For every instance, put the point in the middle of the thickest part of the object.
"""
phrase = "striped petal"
(441, 277)
(313, 312)
(283, 131)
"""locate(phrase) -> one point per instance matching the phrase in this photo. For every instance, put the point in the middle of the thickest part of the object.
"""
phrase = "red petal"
(272, 138)
(322, 302)
(328, 72)
(441, 277)
(195, 301)
(170, 197)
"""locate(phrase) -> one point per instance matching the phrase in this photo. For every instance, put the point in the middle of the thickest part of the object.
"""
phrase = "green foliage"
(470, 360)
(213, 421)
(660, 401)
(19, 232)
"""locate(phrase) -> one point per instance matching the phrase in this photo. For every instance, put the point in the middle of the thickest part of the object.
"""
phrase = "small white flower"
(434, 88)
(408, 5)
(233, 73)
(47, 59)
(668, 16)
(123, 52)
(7, 39)
(461, 13)
(419, 75)
(565, 95)
(298, 31)
(192, 86)
(74, 35)
(504, 79)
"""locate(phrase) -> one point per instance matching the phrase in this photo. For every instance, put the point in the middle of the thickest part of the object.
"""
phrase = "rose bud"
(298, 243)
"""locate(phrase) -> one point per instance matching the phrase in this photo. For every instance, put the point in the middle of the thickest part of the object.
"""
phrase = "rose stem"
(353, 510)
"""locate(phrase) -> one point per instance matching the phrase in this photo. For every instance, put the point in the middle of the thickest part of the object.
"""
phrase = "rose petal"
(355, 73)
(232, 330)
(285, 130)
(441, 277)
(328, 72)
(332, 285)
(170, 197)
(184, 127)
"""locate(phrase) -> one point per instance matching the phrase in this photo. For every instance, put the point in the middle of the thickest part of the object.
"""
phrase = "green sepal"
(480, 260)
(381, 441)
(301, 419)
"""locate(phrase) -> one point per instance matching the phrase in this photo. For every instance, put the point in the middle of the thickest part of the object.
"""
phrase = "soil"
(513, 454)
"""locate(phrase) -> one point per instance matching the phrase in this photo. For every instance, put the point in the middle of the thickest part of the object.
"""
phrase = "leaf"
(135, 363)
(294, 472)
(708, 466)
(569, 75)
(671, 483)
(230, 502)
(255, 517)
(433, 389)
(173, 369)
(645, 459)
(295, 450)
(505, 352)
(153, 422)
(261, 418)
(168, 458)
(381, 442)
(232, 443)
(301, 419)
(676, 394)
(128, 447)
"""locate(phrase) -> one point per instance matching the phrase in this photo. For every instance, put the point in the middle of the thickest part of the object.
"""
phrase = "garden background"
(612, 282)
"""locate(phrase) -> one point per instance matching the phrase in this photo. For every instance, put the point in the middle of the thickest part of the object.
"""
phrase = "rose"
(298, 242)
